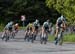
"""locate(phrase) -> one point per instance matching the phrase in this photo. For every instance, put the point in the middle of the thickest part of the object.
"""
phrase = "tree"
(64, 7)
(13, 9)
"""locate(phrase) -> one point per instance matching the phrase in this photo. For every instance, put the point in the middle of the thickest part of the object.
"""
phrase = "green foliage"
(65, 7)
(1, 27)
(10, 9)
(67, 38)
(22, 28)
(47, 9)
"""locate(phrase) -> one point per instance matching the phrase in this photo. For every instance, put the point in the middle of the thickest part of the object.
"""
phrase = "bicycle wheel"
(7, 38)
(41, 41)
(61, 39)
(57, 39)
(6, 35)
(45, 40)
(13, 35)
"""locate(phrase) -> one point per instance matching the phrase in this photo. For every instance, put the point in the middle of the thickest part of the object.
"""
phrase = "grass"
(67, 38)
(1, 28)
(22, 28)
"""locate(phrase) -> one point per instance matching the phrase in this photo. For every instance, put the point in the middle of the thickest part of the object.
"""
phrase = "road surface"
(19, 46)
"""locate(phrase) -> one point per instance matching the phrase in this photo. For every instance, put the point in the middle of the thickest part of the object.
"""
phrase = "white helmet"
(16, 24)
(37, 20)
(62, 17)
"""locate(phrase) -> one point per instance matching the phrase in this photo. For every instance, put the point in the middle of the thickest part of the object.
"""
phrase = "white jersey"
(9, 25)
(36, 24)
(60, 20)
(45, 24)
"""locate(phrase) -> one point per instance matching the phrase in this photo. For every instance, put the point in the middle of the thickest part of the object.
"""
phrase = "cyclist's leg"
(45, 38)
(3, 34)
(61, 39)
(10, 32)
(46, 31)
(57, 35)
(42, 34)
(25, 35)
(58, 38)
(32, 37)
(7, 35)
(42, 39)
(35, 35)
(13, 32)
(28, 34)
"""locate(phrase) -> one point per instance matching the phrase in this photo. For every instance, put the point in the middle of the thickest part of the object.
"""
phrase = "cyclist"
(60, 25)
(16, 27)
(45, 30)
(8, 29)
(9, 26)
(43, 37)
(46, 26)
(36, 25)
(29, 32)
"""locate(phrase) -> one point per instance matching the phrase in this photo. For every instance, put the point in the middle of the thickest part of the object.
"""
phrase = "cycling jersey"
(9, 25)
(46, 25)
(29, 26)
(36, 25)
(60, 21)
(16, 26)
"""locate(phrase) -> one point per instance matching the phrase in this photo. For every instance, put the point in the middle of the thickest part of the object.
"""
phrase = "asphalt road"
(19, 46)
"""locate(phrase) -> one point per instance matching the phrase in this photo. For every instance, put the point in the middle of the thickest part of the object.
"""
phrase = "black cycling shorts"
(46, 29)
(10, 28)
(36, 27)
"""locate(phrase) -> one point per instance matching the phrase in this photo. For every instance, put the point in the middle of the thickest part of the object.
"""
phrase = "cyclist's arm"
(43, 24)
(56, 24)
(64, 24)
(27, 26)
(56, 31)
